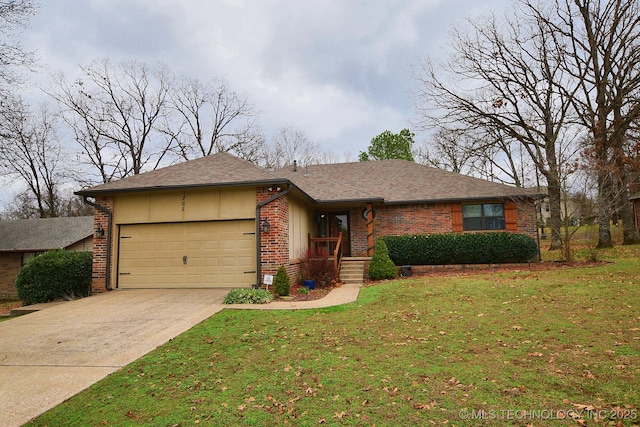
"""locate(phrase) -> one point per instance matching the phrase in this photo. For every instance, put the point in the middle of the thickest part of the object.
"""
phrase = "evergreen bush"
(55, 274)
(281, 282)
(458, 248)
(381, 266)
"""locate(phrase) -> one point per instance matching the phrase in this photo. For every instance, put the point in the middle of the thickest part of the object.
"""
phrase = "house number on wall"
(183, 202)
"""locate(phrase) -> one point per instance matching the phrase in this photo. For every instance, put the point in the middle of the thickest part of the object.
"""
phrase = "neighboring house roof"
(31, 235)
(394, 181)
(388, 181)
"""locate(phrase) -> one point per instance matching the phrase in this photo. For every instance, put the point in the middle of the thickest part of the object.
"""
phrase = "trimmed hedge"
(457, 248)
(55, 274)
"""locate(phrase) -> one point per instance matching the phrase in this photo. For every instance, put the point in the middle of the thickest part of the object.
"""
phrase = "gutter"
(109, 233)
(258, 231)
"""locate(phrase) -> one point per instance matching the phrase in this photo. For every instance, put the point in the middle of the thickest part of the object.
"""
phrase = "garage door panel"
(218, 254)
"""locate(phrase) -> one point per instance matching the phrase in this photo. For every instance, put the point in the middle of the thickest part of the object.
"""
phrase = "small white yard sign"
(268, 280)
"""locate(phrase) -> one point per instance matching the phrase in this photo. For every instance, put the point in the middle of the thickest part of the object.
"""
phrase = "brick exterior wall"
(100, 246)
(357, 232)
(274, 245)
(527, 218)
(423, 218)
(10, 264)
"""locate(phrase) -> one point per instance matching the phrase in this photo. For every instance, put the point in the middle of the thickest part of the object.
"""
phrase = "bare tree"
(206, 118)
(31, 152)
(113, 111)
(504, 78)
(291, 144)
(450, 149)
(14, 15)
(602, 51)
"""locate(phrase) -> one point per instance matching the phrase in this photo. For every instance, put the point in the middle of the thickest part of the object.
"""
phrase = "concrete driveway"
(48, 356)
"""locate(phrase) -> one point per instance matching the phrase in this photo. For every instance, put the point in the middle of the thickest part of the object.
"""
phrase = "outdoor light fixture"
(100, 232)
(265, 226)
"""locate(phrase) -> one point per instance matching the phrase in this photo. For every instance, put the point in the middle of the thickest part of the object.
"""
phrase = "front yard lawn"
(515, 348)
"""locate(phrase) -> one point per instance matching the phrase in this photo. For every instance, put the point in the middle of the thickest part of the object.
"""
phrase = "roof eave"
(90, 192)
(367, 200)
(458, 199)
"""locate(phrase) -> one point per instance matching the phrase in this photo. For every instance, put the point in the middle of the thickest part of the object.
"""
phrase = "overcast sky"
(337, 70)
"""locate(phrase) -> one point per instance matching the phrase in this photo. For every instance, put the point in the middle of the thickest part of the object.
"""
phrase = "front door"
(334, 224)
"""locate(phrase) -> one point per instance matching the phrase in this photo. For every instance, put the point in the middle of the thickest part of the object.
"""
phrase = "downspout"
(109, 229)
(258, 230)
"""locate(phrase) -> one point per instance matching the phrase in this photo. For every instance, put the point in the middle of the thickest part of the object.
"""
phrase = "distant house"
(220, 221)
(27, 238)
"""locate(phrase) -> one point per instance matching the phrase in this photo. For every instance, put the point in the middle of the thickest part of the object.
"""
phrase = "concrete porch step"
(352, 269)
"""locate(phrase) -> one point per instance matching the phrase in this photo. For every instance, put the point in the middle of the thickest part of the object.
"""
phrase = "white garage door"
(187, 255)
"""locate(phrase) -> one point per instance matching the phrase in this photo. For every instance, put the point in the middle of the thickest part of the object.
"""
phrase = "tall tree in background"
(31, 153)
(14, 15)
(113, 111)
(207, 118)
(291, 144)
(389, 145)
(130, 117)
(451, 149)
(601, 45)
(488, 154)
(536, 77)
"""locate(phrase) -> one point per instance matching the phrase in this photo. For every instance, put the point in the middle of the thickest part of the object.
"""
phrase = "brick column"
(274, 245)
(100, 267)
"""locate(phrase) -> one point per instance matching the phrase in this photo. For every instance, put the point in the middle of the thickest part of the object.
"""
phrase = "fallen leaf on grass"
(423, 406)
(339, 415)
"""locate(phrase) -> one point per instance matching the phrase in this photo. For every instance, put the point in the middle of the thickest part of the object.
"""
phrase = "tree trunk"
(629, 230)
(555, 219)
(604, 191)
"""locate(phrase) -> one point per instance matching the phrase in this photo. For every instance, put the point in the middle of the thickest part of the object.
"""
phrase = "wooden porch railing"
(316, 243)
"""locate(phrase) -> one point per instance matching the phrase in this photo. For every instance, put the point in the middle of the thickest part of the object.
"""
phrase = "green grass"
(420, 351)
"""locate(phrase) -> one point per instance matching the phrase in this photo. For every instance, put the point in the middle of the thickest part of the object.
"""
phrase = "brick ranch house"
(26, 238)
(220, 221)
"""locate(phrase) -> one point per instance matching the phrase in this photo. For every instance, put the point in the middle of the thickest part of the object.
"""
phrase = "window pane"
(472, 223)
(471, 211)
(493, 209)
(494, 223)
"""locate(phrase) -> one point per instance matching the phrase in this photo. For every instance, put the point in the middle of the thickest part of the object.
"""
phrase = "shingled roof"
(394, 181)
(217, 170)
(34, 235)
(388, 181)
